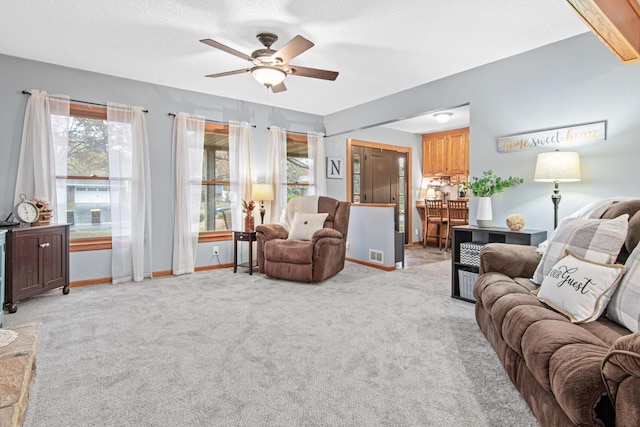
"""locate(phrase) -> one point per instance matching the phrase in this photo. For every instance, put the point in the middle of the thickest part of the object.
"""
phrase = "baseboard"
(103, 280)
(368, 264)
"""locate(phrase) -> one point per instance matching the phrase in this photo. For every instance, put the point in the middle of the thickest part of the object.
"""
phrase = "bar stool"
(457, 214)
(435, 214)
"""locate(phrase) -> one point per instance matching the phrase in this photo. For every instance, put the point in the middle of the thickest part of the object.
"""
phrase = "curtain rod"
(213, 121)
(291, 131)
(26, 92)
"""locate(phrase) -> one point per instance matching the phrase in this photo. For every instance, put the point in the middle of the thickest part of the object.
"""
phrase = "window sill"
(92, 244)
(104, 243)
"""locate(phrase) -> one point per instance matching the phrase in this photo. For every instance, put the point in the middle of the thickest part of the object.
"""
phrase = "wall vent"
(376, 256)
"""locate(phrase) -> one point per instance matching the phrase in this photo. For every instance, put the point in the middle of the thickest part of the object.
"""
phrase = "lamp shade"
(262, 192)
(268, 76)
(561, 166)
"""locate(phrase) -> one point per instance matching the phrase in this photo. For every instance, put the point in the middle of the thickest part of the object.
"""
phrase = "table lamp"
(262, 192)
(557, 166)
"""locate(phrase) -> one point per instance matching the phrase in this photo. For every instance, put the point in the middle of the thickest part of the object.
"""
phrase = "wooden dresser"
(37, 260)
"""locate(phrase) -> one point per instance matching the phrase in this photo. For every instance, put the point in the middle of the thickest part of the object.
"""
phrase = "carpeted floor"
(365, 348)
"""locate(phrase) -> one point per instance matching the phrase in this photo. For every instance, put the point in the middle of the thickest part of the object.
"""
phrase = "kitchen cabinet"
(37, 260)
(446, 153)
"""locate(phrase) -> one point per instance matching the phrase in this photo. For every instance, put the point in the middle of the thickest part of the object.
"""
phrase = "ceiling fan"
(271, 67)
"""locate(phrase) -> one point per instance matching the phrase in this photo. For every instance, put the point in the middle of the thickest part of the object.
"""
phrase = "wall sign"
(560, 137)
(335, 167)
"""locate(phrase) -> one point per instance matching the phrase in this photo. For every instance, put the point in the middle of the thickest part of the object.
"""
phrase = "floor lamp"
(557, 166)
(262, 192)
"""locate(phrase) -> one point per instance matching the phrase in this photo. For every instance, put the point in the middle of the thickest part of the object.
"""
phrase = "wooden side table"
(243, 236)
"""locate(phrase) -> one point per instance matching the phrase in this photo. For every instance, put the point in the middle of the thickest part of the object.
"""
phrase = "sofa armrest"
(272, 231)
(326, 232)
(621, 374)
(509, 259)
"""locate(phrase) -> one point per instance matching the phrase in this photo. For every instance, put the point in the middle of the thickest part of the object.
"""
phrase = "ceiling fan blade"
(295, 47)
(229, 73)
(313, 72)
(280, 87)
(227, 49)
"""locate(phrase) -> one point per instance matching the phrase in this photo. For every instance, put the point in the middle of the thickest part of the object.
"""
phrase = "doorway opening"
(381, 174)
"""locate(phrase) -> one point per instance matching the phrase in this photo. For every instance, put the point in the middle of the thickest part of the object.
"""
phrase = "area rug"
(365, 348)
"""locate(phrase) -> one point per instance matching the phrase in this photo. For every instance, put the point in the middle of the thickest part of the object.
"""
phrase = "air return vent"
(376, 256)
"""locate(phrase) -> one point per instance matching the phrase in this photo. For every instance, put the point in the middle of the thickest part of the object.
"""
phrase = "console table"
(483, 235)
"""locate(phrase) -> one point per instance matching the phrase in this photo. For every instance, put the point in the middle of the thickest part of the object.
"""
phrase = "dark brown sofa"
(569, 374)
(312, 260)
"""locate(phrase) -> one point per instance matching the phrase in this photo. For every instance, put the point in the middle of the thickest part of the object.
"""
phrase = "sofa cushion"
(597, 240)
(305, 224)
(624, 307)
(578, 288)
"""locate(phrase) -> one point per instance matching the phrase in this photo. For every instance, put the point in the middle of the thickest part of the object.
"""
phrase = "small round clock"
(26, 211)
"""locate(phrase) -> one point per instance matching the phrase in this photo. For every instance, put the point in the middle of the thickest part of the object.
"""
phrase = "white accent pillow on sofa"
(597, 240)
(580, 289)
(624, 308)
(305, 224)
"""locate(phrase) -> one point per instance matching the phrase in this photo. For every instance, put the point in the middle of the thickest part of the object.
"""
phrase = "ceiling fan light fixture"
(442, 117)
(268, 76)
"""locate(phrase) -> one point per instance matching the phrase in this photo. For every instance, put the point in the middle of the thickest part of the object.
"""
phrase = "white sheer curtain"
(130, 188)
(188, 144)
(276, 173)
(317, 176)
(240, 169)
(44, 140)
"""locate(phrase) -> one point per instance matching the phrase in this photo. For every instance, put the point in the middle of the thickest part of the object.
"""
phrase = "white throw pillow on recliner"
(305, 224)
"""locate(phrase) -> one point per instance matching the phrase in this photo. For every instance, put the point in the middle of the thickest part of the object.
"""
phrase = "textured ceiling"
(379, 47)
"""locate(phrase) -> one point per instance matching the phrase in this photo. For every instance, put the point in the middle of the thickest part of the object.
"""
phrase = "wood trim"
(216, 128)
(89, 244)
(375, 205)
(163, 273)
(408, 201)
(213, 267)
(368, 264)
(214, 236)
(297, 138)
(96, 112)
(615, 22)
(79, 283)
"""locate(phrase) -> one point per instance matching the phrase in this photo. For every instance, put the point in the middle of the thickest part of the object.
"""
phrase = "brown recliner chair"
(306, 260)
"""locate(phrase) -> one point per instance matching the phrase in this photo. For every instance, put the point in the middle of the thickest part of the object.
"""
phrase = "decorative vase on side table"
(249, 222)
(484, 215)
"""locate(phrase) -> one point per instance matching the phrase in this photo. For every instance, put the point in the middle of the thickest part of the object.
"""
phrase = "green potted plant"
(462, 190)
(484, 187)
(489, 184)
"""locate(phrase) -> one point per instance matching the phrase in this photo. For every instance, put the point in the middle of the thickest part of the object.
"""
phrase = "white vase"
(484, 215)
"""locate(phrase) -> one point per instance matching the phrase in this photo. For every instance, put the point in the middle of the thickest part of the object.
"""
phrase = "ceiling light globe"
(268, 76)
(443, 117)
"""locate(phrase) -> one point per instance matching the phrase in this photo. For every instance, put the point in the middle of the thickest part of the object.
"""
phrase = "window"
(215, 209)
(298, 162)
(87, 180)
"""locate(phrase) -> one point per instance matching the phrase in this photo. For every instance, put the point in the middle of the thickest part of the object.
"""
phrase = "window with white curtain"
(298, 163)
(88, 206)
(215, 209)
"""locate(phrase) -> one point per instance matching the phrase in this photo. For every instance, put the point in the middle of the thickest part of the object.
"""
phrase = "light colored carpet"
(365, 348)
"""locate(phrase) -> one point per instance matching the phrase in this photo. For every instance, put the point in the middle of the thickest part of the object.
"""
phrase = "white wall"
(371, 228)
(570, 82)
(574, 81)
(20, 74)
